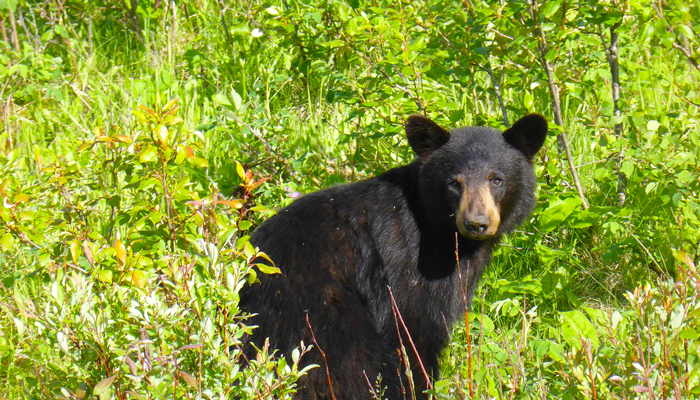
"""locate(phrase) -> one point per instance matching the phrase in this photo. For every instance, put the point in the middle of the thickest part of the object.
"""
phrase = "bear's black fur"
(342, 248)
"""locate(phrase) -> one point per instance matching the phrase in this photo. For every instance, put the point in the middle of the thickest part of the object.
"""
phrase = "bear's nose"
(478, 225)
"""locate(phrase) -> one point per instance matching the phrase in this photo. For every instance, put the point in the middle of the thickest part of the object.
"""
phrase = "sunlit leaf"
(7, 241)
(172, 120)
(140, 116)
(104, 275)
(162, 132)
(120, 252)
(189, 379)
(236, 203)
(223, 100)
(21, 198)
(21, 328)
(87, 251)
(138, 278)
(123, 139)
(75, 250)
(576, 326)
(199, 162)
(148, 154)
(684, 258)
(171, 106)
(267, 270)
(137, 396)
(38, 157)
(103, 387)
(557, 213)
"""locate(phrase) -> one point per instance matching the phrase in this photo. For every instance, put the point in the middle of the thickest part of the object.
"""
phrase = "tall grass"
(123, 244)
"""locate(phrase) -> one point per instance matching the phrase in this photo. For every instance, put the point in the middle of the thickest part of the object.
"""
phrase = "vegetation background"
(142, 140)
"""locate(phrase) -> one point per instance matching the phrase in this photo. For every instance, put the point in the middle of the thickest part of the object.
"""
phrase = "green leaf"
(526, 285)
(148, 154)
(548, 26)
(550, 8)
(616, 319)
(245, 224)
(181, 153)
(685, 176)
(102, 389)
(486, 324)
(650, 187)
(268, 270)
(189, 379)
(222, 100)
(585, 218)
(7, 241)
(61, 31)
(162, 132)
(155, 216)
(234, 97)
(21, 328)
(199, 162)
(684, 258)
(653, 125)
(677, 317)
(120, 252)
(576, 326)
(104, 275)
(62, 341)
(616, 119)
(689, 333)
(138, 278)
(557, 213)
(75, 250)
(542, 348)
(627, 168)
(137, 396)
(556, 351)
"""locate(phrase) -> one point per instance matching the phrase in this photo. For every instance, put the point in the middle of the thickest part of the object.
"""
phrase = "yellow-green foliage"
(141, 141)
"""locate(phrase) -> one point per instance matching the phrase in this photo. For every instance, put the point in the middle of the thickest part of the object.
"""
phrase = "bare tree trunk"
(612, 55)
(13, 26)
(497, 89)
(562, 139)
(4, 31)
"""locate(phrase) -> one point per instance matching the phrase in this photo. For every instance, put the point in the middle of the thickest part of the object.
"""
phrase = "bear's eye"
(454, 184)
(497, 181)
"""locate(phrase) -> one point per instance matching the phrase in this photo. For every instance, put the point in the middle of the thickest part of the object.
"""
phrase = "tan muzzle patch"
(478, 216)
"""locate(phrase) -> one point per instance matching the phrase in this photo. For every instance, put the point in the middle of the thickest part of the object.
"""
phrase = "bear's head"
(476, 180)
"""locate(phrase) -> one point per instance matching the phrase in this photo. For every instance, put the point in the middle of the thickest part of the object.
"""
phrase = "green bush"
(125, 215)
(136, 272)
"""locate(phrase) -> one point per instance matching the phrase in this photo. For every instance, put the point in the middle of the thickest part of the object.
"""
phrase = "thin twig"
(408, 334)
(403, 355)
(374, 392)
(323, 355)
(466, 315)
(562, 139)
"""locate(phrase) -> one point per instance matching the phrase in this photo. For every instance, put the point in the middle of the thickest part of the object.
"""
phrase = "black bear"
(350, 252)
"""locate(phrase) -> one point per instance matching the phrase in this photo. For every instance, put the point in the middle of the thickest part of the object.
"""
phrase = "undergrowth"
(142, 141)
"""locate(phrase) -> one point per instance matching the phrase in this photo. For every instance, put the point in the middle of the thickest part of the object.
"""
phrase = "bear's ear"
(527, 134)
(424, 135)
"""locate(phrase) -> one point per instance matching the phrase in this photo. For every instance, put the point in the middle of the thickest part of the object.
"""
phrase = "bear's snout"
(478, 226)
(478, 216)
